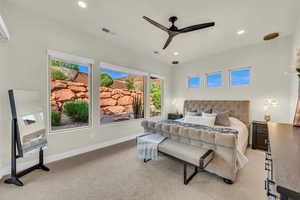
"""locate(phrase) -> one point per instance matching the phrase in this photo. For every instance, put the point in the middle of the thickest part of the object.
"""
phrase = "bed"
(228, 143)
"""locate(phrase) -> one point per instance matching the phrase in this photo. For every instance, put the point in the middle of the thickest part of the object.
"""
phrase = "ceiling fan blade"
(156, 24)
(168, 41)
(196, 27)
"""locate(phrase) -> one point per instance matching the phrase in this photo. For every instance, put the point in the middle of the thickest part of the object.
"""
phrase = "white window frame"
(236, 69)
(74, 60)
(108, 66)
(187, 81)
(222, 79)
(162, 95)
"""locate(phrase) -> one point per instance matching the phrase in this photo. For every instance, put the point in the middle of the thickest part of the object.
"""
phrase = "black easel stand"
(14, 179)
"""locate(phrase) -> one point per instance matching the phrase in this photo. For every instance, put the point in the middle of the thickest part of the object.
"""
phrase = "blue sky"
(240, 77)
(214, 80)
(194, 82)
(83, 69)
(114, 74)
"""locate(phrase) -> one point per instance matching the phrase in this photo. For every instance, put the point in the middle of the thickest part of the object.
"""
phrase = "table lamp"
(269, 103)
(175, 102)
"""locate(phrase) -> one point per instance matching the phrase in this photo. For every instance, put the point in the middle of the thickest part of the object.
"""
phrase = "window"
(194, 82)
(240, 77)
(214, 80)
(156, 85)
(121, 94)
(69, 91)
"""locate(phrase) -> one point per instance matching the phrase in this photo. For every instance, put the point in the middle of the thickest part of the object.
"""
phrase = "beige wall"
(269, 62)
(23, 62)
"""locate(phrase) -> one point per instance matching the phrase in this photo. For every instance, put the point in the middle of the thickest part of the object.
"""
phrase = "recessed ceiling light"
(176, 53)
(108, 31)
(82, 4)
(241, 32)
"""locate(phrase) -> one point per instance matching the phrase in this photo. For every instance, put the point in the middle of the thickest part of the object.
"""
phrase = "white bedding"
(242, 140)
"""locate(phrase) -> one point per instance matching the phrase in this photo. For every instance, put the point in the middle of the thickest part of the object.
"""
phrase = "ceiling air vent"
(4, 35)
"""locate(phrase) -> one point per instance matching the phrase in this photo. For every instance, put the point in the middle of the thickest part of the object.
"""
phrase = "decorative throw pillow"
(208, 121)
(201, 120)
(222, 119)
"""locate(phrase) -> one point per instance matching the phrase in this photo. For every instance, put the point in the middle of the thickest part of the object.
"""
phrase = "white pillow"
(202, 120)
(188, 113)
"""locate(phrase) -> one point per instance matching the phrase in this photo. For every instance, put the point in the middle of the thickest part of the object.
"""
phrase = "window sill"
(70, 130)
(132, 121)
(237, 86)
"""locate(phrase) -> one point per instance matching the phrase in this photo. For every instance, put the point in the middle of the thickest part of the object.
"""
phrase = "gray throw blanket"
(199, 127)
(147, 146)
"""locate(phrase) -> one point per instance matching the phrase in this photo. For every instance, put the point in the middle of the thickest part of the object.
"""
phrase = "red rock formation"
(126, 100)
(118, 84)
(129, 109)
(126, 92)
(77, 89)
(112, 101)
(116, 91)
(108, 102)
(64, 94)
(70, 83)
(105, 94)
(116, 96)
(81, 94)
(58, 85)
(82, 78)
(113, 110)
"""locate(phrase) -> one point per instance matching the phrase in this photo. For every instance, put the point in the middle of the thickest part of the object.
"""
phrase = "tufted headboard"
(238, 109)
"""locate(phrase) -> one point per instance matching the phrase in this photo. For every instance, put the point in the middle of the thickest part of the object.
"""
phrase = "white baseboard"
(49, 159)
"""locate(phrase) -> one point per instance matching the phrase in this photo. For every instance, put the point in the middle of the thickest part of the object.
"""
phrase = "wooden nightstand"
(174, 116)
(260, 135)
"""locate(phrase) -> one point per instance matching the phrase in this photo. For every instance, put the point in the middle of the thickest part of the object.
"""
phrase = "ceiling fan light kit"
(173, 30)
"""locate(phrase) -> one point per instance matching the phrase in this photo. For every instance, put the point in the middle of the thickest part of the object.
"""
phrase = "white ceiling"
(256, 17)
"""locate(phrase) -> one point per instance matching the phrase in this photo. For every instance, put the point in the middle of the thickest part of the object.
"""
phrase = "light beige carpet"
(115, 173)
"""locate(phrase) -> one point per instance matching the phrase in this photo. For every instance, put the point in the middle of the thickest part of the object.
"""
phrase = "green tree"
(58, 74)
(64, 64)
(156, 95)
(130, 84)
(105, 80)
(77, 110)
(73, 66)
(55, 118)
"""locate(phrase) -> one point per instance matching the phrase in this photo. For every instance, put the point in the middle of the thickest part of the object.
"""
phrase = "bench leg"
(185, 179)
(230, 182)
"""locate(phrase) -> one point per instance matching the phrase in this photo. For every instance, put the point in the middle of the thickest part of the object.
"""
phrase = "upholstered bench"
(192, 155)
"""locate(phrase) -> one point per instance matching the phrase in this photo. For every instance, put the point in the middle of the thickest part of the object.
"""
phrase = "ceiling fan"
(173, 30)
